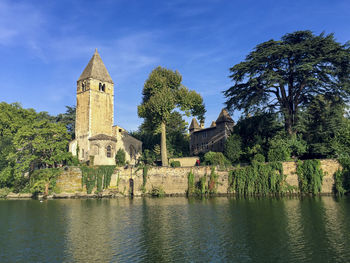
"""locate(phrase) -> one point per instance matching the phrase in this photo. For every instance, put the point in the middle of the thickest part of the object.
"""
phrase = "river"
(176, 229)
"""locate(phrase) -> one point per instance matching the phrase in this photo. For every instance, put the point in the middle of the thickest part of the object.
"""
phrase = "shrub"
(120, 157)
(175, 164)
(157, 191)
(233, 148)
(215, 158)
(4, 192)
(259, 158)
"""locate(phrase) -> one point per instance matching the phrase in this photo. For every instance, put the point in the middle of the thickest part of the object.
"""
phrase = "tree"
(162, 93)
(284, 75)
(233, 148)
(323, 120)
(68, 119)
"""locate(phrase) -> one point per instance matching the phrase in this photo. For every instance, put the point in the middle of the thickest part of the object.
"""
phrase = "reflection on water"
(176, 229)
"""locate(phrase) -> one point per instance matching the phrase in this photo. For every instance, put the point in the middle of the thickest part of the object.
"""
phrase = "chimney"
(202, 124)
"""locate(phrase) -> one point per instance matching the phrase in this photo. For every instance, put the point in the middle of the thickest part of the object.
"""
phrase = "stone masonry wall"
(174, 180)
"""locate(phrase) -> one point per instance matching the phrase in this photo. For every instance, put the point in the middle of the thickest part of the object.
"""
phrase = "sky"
(45, 45)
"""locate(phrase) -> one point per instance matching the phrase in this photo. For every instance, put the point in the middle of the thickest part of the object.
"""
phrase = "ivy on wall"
(257, 179)
(99, 176)
(310, 176)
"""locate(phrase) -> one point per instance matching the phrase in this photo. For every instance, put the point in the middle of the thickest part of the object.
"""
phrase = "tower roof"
(96, 69)
(224, 117)
(194, 124)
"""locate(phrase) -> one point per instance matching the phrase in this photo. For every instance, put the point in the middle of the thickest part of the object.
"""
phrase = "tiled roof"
(96, 69)
(102, 137)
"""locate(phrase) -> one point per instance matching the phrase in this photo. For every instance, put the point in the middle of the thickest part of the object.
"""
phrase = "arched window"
(100, 86)
(83, 86)
(109, 151)
(103, 87)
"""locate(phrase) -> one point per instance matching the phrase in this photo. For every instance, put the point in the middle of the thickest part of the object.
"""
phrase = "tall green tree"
(323, 121)
(286, 74)
(162, 94)
(68, 119)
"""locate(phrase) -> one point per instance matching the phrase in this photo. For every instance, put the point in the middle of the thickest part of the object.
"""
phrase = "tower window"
(83, 86)
(102, 87)
(109, 151)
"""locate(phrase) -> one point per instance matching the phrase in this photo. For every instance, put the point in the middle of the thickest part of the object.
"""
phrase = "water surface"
(176, 230)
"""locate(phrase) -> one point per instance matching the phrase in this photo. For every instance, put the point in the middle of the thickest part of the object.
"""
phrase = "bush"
(120, 157)
(175, 164)
(4, 192)
(233, 148)
(282, 147)
(157, 191)
(41, 178)
(215, 158)
(259, 158)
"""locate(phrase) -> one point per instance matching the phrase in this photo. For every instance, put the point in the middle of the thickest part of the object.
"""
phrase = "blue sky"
(45, 45)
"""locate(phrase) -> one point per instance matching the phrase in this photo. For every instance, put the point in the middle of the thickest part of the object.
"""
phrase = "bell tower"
(95, 97)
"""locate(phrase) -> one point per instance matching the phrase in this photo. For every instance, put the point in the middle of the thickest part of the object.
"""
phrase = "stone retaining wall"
(174, 181)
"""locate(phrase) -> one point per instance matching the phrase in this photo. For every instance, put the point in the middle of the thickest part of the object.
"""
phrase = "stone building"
(94, 130)
(203, 140)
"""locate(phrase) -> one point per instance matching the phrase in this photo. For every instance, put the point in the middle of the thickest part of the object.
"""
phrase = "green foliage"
(42, 178)
(120, 157)
(148, 157)
(213, 181)
(259, 158)
(283, 147)
(342, 177)
(157, 191)
(190, 180)
(162, 93)
(282, 75)
(4, 192)
(233, 148)
(215, 158)
(68, 119)
(257, 179)
(324, 121)
(310, 176)
(144, 178)
(29, 140)
(175, 164)
(99, 176)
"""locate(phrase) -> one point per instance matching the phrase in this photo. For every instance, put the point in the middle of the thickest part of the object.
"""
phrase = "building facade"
(95, 135)
(213, 139)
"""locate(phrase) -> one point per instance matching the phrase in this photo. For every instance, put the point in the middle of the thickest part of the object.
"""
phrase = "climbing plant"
(310, 176)
(213, 181)
(99, 176)
(342, 177)
(257, 179)
(191, 188)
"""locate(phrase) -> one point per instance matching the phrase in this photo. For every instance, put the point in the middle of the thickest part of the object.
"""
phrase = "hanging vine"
(99, 176)
(257, 179)
(310, 176)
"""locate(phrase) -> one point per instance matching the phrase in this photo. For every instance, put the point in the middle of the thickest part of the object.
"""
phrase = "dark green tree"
(233, 148)
(285, 75)
(162, 93)
(324, 119)
(68, 119)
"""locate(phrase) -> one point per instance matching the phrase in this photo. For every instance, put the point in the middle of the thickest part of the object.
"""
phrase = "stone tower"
(96, 139)
(95, 97)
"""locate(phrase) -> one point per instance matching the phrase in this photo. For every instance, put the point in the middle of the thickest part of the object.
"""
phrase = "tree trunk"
(163, 150)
